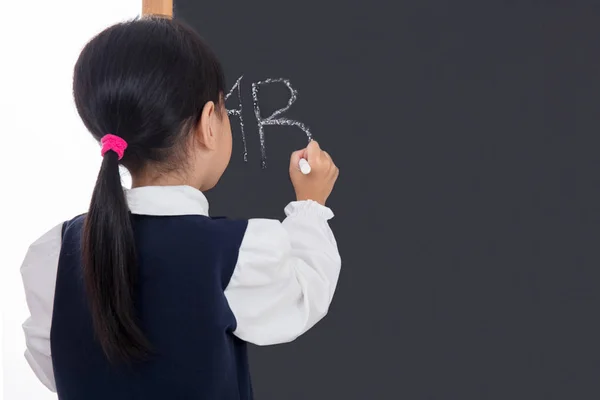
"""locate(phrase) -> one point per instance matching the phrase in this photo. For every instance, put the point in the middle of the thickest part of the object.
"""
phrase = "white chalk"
(304, 166)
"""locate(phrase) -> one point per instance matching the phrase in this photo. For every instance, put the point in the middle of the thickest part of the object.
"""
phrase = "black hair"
(146, 81)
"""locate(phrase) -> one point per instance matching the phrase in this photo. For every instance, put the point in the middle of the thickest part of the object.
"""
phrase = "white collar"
(166, 200)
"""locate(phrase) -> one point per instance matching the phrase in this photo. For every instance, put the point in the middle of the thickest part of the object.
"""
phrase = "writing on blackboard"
(237, 112)
(274, 119)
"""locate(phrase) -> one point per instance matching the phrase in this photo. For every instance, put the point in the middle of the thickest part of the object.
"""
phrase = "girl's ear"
(205, 133)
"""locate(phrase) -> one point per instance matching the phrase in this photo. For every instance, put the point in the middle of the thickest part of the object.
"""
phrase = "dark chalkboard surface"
(468, 205)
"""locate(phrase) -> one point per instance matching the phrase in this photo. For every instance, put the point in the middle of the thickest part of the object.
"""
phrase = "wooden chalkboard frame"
(157, 7)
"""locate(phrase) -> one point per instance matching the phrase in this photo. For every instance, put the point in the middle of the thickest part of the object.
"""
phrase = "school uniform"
(206, 287)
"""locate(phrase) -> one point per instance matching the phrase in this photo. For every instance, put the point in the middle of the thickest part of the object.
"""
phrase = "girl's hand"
(318, 184)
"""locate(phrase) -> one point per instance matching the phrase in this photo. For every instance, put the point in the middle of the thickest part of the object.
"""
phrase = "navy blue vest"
(185, 264)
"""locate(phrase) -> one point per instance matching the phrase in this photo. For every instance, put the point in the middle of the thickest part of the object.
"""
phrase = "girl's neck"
(161, 180)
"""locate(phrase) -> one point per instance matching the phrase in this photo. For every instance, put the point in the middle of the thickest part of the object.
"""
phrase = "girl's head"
(154, 83)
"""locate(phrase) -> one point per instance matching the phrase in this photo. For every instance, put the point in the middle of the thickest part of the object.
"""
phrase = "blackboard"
(468, 203)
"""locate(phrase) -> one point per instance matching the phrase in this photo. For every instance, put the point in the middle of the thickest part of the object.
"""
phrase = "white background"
(48, 161)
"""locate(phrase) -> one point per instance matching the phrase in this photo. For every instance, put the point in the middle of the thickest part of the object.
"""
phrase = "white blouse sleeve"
(39, 277)
(285, 276)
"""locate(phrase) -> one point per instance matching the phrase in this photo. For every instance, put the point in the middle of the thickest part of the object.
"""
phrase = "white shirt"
(282, 284)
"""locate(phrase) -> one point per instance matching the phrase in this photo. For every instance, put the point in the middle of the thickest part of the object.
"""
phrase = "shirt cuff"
(308, 208)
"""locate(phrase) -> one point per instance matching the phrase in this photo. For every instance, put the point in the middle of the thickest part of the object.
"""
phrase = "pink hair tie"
(114, 143)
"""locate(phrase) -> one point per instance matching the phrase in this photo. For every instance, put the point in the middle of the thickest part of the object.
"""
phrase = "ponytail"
(110, 267)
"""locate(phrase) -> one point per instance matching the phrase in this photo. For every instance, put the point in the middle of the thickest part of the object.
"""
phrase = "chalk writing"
(271, 119)
(238, 112)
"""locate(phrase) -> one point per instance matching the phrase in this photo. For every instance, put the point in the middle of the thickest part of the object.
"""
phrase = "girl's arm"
(39, 276)
(286, 275)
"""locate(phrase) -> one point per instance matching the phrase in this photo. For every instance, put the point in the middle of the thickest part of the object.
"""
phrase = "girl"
(146, 296)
